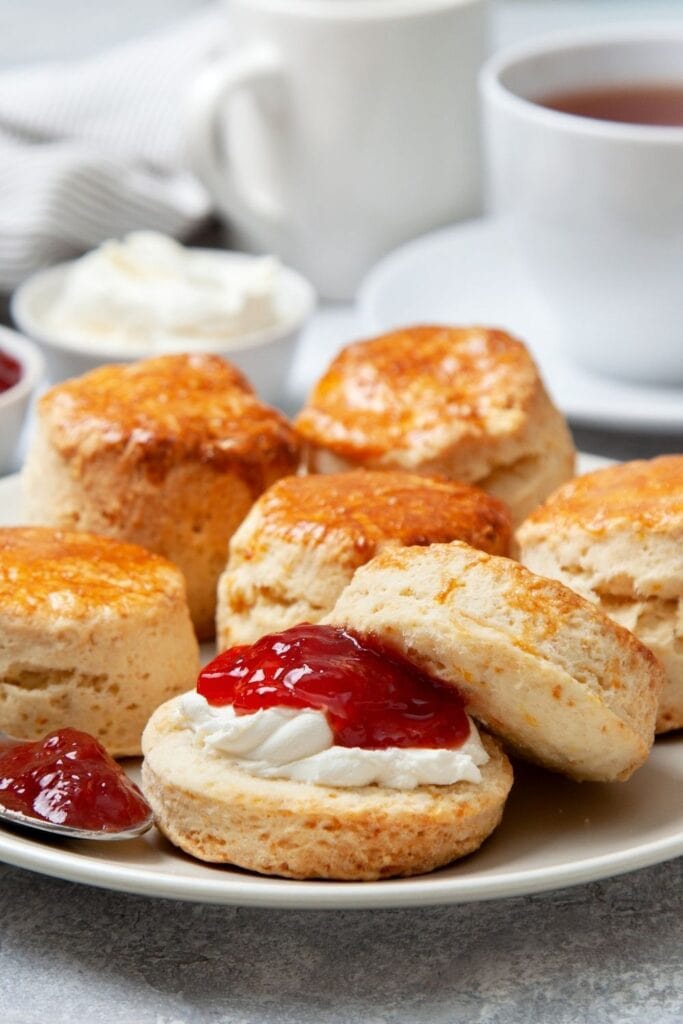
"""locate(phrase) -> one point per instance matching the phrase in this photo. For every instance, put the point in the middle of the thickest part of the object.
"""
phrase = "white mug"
(595, 207)
(336, 129)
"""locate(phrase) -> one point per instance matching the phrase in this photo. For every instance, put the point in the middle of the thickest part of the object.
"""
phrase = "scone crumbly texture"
(615, 536)
(537, 665)
(94, 634)
(217, 812)
(305, 537)
(169, 453)
(462, 402)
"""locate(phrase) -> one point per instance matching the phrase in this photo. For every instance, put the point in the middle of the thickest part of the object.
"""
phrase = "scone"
(368, 771)
(466, 403)
(169, 453)
(616, 537)
(94, 634)
(298, 830)
(306, 536)
(540, 667)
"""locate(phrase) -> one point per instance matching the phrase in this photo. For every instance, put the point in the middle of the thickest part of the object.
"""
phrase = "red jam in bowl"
(10, 371)
(372, 698)
(68, 778)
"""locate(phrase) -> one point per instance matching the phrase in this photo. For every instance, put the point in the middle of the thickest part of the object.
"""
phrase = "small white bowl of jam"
(21, 370)
(146, 294)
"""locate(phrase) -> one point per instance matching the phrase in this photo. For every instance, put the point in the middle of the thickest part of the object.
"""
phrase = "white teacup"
(596, 206)
(337, 129)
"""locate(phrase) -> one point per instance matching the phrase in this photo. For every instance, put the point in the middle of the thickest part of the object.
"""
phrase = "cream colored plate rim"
(554, 834)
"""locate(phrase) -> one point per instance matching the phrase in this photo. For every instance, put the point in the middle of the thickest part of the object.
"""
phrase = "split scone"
(94, 634)
(305, 537)
(312, 755)
(461, 402)
(537, 665)
(169, 453)
(616, 537)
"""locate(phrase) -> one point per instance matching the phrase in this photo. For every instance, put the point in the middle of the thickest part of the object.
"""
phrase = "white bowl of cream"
(147, 295)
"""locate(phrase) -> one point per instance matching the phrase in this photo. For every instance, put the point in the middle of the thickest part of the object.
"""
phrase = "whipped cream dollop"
(298, 744)
(149, 293)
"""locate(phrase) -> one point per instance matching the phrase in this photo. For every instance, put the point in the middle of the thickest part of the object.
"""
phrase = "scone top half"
(467, 403)
(539, 666)
(616, 537)
(306, 536)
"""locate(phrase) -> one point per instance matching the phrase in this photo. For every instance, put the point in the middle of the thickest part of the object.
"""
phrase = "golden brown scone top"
(165, 410)
(372, 507)
(645, 494)
(76, 575)
(547, 608)
(389, 392)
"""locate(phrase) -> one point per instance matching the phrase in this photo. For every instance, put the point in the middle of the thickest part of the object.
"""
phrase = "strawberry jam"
(372, 698)
(10, 371)
(68, 778)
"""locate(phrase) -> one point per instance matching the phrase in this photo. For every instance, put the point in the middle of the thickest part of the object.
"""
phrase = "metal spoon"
(70, 831)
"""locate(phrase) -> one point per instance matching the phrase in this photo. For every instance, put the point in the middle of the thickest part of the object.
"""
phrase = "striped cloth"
(91, 149)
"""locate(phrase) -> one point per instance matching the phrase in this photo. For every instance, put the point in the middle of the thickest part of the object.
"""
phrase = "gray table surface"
(605, 952)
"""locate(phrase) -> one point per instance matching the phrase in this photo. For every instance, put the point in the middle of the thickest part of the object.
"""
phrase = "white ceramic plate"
(555, 833)
(469, 273)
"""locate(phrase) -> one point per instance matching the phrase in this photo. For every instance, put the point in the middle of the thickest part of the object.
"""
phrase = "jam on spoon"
(68, 779)
(372, 698)
(10, 371)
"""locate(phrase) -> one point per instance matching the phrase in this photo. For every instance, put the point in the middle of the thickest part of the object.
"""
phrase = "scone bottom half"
(220, 809)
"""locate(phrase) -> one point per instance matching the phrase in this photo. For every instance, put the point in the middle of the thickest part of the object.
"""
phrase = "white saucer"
(468, 273)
